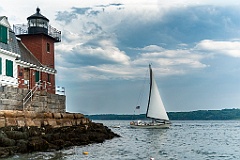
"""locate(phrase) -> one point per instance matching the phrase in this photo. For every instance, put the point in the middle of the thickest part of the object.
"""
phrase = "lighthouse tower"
(39, 38)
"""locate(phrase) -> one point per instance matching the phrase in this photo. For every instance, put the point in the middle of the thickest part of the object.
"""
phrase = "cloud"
(106, 61)
(69, 16)
(81, 11)
(152, 48)
(65, 16)
(102, 52)
(179, 25)
(171, 62)
(118, 44)
(115, 4)
(228, 48)
(105, 51)
(111, 4)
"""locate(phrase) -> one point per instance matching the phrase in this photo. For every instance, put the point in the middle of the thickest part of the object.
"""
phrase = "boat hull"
(150, 126)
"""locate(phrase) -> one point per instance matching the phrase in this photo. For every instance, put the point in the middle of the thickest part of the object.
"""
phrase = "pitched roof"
(12, 45)
(1, 17)
(27, 56)
(4, 21)
(37, 15)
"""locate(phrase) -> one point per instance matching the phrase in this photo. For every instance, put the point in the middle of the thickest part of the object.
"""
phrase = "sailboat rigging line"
(139, 101)
(141, 92)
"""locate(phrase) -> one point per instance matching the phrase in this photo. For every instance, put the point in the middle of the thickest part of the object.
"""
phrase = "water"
(185, 140)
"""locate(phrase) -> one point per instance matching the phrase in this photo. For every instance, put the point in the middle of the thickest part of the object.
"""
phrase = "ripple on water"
(198, 140)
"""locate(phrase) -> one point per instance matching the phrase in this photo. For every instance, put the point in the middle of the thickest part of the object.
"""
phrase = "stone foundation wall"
(31, 118)
(11, 98)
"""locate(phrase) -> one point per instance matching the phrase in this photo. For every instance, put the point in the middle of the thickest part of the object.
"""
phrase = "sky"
(102, 61)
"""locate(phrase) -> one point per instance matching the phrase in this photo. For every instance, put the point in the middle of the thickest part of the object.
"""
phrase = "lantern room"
(37, 23)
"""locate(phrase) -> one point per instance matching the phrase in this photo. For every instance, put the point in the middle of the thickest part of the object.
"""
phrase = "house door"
(37, 76)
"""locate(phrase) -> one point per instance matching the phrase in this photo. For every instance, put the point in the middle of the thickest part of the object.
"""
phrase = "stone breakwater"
(25, 131)
(31, 118)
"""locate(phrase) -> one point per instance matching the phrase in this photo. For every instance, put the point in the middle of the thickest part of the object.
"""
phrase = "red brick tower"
(40, 39)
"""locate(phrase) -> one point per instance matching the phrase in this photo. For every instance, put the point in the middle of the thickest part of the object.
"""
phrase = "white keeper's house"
(9, 52)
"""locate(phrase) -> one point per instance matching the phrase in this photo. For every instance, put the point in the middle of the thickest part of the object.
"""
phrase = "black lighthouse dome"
(37, 23)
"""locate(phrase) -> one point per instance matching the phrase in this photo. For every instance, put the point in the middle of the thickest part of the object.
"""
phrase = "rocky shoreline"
(15, 139)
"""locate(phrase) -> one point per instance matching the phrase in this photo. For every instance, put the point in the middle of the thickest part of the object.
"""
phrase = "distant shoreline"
(224, 114)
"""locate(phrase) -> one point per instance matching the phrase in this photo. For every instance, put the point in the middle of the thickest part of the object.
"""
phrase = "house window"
(3, 34)
(0, 65)
(48, 47)
(48, 77)
(37, 76)
(9, 68)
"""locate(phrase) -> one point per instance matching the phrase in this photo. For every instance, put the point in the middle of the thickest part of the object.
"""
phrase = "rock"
(16, 135)
(37, 144)
(22, 146)
(31, 139)
(5, 141)
(7, 151)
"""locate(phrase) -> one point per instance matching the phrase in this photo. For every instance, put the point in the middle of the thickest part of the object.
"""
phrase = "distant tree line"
(224, 114)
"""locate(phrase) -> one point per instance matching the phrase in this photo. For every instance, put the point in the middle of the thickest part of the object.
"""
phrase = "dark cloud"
(94, 12)
(92, 28)
(81, 11)
(65, 16)
(116, 4)
(111, 4)
(78, 59)
(86, 11)
(180, 25)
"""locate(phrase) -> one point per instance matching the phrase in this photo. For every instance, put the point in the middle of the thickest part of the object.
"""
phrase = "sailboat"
(155, 109)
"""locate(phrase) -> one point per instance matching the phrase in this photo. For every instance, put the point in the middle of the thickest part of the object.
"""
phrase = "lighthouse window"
(48, 78)
(32, 23)
(3, 34)
(48, 47)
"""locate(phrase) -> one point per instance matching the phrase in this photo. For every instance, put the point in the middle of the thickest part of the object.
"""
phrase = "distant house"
(27, 53)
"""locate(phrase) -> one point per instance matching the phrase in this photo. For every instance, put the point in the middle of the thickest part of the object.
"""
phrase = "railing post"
(31, 95)
(23, 105)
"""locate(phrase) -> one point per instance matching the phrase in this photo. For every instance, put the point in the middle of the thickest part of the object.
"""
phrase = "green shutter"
(37, 77)
(0, 65)
(3, 34)
(9, 68)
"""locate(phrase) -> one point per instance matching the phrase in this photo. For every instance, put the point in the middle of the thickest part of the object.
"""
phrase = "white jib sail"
(156, 108)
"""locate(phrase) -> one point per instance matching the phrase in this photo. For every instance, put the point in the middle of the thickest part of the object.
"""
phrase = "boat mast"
(155, 108)
(150, 90)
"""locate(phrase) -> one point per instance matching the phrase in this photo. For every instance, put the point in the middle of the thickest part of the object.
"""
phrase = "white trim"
(10, 81)
(5, 22)
(35, 67)
(9, 53)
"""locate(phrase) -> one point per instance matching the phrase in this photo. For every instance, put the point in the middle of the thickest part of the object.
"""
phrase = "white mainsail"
(156, 108)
